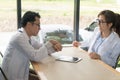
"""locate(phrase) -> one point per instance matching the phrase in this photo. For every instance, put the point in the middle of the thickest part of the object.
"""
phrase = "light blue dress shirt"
(108, 48)
(97, 44)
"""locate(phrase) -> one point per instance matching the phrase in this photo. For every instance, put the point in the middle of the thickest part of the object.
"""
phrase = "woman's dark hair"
(117, 24)
(109, 16)
(29, 16)
(113, 18)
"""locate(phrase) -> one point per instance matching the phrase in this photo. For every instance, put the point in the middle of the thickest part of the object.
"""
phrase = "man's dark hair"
(29, 16)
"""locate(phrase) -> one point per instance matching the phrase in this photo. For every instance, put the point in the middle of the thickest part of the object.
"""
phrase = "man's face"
(35, 27)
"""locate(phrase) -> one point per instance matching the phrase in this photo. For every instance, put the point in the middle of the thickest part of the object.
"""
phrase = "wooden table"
(87, 69)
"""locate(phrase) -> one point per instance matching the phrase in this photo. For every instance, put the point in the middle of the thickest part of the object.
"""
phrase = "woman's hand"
(94, 55)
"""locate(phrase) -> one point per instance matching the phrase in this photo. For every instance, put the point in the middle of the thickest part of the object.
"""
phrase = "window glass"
(56, 18)
(8, 21)
(90, 8)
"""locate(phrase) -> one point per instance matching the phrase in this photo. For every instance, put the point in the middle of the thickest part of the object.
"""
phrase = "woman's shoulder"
(116, 35)
(116, 38)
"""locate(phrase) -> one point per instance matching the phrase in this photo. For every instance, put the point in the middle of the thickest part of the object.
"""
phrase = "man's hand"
(56, 45)
(76, 43)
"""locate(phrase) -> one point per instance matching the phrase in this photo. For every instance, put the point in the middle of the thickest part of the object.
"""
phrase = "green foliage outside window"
(63, 36)
(118, 65)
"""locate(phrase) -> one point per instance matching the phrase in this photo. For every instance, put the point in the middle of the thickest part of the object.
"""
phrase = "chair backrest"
(3, 73)
(118, 58)
(1, 68)
(1, 58)
(1, 54)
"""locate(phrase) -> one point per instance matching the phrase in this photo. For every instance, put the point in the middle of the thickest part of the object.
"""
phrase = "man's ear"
(110, 25)
(29, 23)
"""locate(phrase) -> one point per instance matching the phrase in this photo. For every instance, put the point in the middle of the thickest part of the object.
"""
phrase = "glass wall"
(90, 8)
(56, 18)
(8, 21)
(8, 16)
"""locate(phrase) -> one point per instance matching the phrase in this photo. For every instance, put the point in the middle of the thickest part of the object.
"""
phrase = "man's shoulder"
(17, 35)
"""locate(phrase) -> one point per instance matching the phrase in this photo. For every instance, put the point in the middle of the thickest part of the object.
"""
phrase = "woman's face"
(104, 26)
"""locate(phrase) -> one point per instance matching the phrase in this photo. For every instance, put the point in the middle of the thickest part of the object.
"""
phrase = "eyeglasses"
(36, 24)
(100, 21)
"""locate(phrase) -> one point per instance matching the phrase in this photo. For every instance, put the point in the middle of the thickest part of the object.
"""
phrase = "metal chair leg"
(3, 74)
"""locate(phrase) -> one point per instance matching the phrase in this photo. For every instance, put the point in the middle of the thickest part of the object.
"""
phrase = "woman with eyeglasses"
(105, 43)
